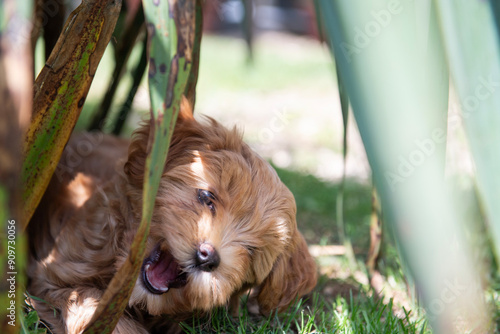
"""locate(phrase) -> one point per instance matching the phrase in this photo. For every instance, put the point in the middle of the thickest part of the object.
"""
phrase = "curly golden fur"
(223, 223)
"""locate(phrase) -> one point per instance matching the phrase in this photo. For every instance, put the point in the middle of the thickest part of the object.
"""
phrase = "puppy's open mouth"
(160, 272)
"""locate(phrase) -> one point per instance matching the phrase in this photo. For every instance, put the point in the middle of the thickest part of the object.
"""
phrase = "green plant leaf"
(190, 91)
(127, 41)
(344, 106)
(171, 27)
(473, 52)
(60, 92)
(391, 59)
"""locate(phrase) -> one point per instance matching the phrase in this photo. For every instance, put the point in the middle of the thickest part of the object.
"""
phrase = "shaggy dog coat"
(223, 223)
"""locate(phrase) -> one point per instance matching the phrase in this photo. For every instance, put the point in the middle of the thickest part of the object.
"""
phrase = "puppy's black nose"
(207, 258)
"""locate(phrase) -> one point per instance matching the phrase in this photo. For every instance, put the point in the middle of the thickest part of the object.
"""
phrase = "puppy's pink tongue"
(161, 272)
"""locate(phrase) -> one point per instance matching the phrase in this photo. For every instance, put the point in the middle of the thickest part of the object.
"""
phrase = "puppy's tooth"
(146, 267)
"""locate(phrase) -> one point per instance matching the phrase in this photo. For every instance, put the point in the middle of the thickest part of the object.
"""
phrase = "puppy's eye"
(250, 249)
(207, 198)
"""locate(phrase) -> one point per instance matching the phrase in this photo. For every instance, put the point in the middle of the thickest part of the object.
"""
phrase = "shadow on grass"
(317, 212)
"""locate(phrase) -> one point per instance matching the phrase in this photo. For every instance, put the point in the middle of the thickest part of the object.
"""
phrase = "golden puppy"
(223, 223)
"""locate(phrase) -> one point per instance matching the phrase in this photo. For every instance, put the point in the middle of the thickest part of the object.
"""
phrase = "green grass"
(31, 322)
(270, 71)
(316, 208)
(354, 314)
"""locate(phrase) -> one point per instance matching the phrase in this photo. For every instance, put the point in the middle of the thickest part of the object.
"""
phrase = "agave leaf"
(167, 82)
(375, 236)
(247, 27)
(137, 75)
(190, 92)
(495, 6)
(123, 50)
(344, 106)
(319, 20)
(474, 59)
(391, 59)
(60, 92)
(171, 27)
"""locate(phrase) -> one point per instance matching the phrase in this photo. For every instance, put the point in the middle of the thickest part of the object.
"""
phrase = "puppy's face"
(223, 221)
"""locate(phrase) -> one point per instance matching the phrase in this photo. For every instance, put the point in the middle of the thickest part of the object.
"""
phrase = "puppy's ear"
(186, 111)
(137, 153)
(293, 275)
